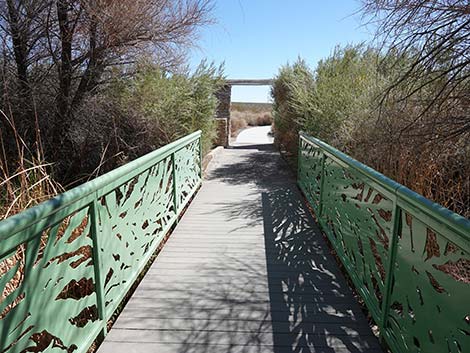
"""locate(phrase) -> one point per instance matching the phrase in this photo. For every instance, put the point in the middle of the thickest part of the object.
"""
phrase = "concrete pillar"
(224, 96)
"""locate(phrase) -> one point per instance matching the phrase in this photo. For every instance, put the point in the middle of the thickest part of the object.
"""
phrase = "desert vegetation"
(359, 101)
(85, 89)
(243, 115)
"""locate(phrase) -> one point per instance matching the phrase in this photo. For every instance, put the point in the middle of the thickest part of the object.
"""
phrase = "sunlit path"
(259, 135)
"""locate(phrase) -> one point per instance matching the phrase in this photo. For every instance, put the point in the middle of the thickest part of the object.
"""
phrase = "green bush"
(173, 105)
(346, 85)
(292, 93)
(330, 101)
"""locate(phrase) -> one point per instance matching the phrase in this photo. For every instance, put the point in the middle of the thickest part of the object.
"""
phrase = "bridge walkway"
(246, 270)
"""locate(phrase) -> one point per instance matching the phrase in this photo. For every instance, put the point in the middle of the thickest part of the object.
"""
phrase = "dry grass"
(441, 176)
(243, 115)
(25, 182)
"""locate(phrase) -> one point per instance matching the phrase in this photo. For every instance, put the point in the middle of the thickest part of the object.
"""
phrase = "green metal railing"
(408, 258)
(66, 264)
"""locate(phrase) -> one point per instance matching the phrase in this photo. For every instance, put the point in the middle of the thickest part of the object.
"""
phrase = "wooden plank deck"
(246, 270)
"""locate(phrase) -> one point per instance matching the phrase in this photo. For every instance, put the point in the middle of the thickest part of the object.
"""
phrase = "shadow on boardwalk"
(314, 303)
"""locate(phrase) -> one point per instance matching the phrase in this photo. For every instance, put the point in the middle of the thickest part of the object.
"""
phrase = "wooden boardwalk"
(246, 270)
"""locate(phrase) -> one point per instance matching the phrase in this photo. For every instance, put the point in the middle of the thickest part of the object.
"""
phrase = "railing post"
(396, 216)
(200, 156)
(299, 158)
(175, 185)
(99, 284)
(322, 182)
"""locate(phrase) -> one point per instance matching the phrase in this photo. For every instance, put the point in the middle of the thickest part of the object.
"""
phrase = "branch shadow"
(257, 166)
(321, 314)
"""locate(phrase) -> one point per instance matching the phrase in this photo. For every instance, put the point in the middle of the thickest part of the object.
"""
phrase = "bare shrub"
(236, 125)
(264, 120)
(250, 114)
(435, 35)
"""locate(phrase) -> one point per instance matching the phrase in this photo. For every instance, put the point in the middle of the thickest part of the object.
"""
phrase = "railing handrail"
(18, 222)
(456, 222)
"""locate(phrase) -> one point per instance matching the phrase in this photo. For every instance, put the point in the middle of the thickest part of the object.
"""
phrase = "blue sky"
(255, 37)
